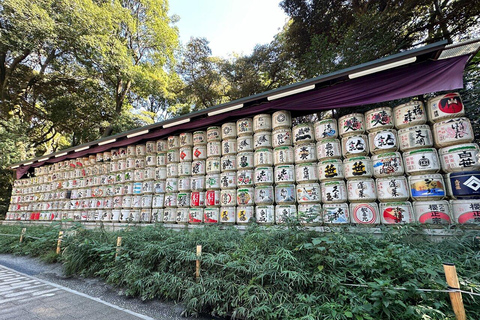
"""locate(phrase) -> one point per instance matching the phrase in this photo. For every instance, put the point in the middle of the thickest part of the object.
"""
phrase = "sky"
(229, 25)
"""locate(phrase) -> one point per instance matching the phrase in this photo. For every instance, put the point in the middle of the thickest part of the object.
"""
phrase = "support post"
(59, 242)
(455, 297)
(197, 269)
(119, 245)
(22, 234)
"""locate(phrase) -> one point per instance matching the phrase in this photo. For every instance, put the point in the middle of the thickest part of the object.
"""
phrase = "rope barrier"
(417, 289)
(26, 236)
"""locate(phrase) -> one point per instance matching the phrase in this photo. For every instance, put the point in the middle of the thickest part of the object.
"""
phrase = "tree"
(267, 68)
(204, 85)
(33, 48)
(77, 67)
(71, 71)
(327, 35)
(144, 51)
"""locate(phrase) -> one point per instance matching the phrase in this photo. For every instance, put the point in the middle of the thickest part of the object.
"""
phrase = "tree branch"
(122, 91)
(6, 72)
(43, 66)
(19, 59)
(42, 138)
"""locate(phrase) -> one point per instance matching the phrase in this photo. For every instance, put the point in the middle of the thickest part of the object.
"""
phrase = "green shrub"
(39, 241)
(274, 272)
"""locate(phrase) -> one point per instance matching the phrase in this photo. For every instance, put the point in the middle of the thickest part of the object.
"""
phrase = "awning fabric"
(407, 81)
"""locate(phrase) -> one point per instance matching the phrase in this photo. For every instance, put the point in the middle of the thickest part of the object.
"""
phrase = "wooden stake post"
(119, 244)
(455, 297)
(59, 242)
(197, 269)
(24, 230)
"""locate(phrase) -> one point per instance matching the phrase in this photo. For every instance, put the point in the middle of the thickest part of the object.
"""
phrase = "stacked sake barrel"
(228, 174)
(159, 185)
(263, 167)
(122, 200)
(102, 188)
(388, 169)
(138, 182)
(84, 203)
(145, 213)
(425, 184)
(185, 168)
(213, 170)
(357, 168)
(39, 197)
(24, 192)
(73, 189)
(197, 180)
(308, 192)
(263, 171)
(136, 201)
(331, 173)
(171, 183)
(453, 134)
(80, 196)
(245, 171)
(284, 167)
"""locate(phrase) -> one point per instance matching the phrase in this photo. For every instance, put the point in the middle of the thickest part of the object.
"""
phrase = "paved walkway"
(24, 297)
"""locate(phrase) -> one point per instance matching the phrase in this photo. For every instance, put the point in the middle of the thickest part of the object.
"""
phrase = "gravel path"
(96, 288)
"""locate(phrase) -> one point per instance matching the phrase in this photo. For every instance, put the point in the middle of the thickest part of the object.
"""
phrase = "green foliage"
(75, 68)
(39, 241)
(267, 68)
(273, 272)
(321, 37)
(471, 94)
(204, 86)
(209, 80)
(97, 250)
(73, 71)
(14, 146)
(327, 35)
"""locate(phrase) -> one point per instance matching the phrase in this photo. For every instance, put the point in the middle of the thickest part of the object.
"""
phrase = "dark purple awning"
(408, 81)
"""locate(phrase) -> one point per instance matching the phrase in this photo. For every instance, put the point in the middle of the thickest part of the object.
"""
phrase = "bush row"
(271, 272)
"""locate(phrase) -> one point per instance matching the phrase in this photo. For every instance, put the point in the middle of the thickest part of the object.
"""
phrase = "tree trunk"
(122, 89)
(6, 71)
(441, 21)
